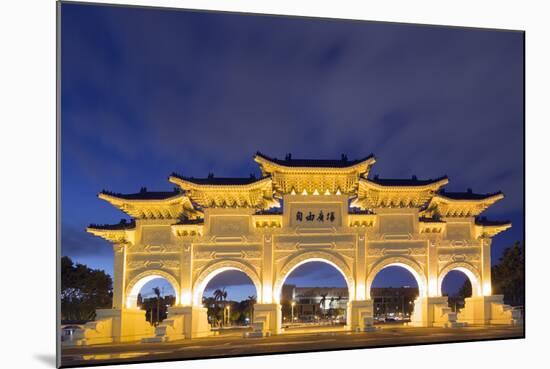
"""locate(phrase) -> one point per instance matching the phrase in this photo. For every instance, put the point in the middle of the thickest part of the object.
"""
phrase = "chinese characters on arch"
(320, 216)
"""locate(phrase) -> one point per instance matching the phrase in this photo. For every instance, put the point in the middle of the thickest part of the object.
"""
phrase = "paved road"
(234, 344)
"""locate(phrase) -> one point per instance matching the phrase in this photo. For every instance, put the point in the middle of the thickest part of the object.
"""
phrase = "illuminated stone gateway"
(299, 211)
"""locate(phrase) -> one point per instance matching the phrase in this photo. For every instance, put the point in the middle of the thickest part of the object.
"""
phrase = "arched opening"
(394, 289)
(229, 294)
(314, 293)
(458, 282)
(138, 282)
(456, 286)
(154, 294)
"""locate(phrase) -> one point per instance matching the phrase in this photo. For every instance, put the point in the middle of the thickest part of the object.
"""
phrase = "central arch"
(409, 264)
(137, 283)
(322, 256)
(217, 267)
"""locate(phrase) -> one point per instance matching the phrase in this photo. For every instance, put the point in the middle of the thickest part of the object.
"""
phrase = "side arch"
(137, 283)
(323, 256)
(409, 264)
(468, 269)
(216, 267)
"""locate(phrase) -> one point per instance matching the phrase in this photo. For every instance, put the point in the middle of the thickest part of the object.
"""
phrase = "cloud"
(75, 241)
(227, 279)
(147, 92)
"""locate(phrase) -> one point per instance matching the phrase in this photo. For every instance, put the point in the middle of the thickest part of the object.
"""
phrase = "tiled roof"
(315, 163)
(484, 222)
(430, 220)
(124, 224)
(211, 180)
(468, 195)
(355, 210)
(406, 182)
(144, 195)
(191, 221)
(272, 211)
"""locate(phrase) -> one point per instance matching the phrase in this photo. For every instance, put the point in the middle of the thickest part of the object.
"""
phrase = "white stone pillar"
(267, 271)
(431, 269)
(119, 280)
(267, 312)
(486, 286)
(360, 268)
(186, 275)
(359, 315)
(267, 318)
(432, 312)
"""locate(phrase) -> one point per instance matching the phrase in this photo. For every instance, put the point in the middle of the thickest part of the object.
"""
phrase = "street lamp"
(292, 311)
(228, 308)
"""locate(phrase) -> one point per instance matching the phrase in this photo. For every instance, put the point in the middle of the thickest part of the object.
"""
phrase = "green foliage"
(83, 290)
(466, 289)
(237, 316)
(239, 310)
(508, 275)
(286, 309)
(156, 308)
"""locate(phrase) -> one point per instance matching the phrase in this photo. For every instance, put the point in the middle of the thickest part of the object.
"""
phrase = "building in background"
(394, 302)
(314, 303)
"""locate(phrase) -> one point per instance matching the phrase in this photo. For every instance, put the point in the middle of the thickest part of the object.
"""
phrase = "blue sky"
(146, 92)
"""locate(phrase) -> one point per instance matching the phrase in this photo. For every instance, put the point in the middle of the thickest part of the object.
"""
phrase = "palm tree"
(251, 301)
(225, 311)
(210, 303)
(323, 300)
(221, 295)
(156, 290)
(330, 305)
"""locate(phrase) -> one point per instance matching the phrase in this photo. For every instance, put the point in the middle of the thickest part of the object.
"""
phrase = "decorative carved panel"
(396, 224)
(235, 225)
(158, 234)
(458, 231)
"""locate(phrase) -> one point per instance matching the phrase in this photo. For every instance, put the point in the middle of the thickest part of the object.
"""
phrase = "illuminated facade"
(298, 211)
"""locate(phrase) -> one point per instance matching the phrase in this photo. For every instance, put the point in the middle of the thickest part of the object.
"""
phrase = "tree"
(251, 301)
(220, 294)
(466, 289)
(236, 316)
(509, 275)
(322, 302)
(156, 291)
(83, 290)
(158, 304)
(213, 310)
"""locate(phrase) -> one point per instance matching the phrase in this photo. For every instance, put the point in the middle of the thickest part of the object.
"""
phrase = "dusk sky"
(148, 92)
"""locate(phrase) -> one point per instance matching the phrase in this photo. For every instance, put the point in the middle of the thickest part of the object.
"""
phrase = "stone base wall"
(489, 310)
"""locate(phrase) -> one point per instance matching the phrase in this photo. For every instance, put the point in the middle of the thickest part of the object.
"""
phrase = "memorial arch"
(298, 211)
